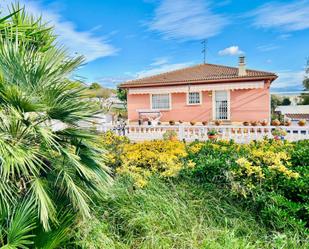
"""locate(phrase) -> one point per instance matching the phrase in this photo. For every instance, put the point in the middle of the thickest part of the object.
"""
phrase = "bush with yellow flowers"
(141, 160)
(113, 145)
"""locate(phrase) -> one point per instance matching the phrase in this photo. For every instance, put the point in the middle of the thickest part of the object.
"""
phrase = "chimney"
(242, 66)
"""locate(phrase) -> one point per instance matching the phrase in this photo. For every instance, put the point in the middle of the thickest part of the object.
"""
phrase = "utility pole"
(204, 51)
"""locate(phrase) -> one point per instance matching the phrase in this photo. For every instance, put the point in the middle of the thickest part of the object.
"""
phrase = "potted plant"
(264, 122)
(218, 122)
(287, 122)
(192, 123)
(180, 121)
(246, 123)
(302, 122)
(171, 122)
(275, 122)
(254, 123)
(204, 122)
(212, 134)
(170, 135)
(279, 134)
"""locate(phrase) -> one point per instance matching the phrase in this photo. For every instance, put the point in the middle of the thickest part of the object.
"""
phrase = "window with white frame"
(194, 98)
(160, 101)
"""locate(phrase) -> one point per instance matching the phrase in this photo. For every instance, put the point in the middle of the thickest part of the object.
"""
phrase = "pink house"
(200, 93)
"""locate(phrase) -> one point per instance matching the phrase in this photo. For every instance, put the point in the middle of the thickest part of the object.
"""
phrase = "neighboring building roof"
(297, 116)
(293, 109)
(203, 73)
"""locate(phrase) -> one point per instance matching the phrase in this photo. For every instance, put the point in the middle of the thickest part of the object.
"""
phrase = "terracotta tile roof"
(199, 74)
(298, 116)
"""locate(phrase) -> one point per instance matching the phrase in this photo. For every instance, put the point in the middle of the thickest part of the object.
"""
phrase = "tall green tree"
(122, 94)
(45, 157)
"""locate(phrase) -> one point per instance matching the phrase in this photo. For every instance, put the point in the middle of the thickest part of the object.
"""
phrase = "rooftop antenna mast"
(204, 51)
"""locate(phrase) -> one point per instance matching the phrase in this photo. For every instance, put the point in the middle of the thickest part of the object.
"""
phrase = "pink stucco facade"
(244, 105)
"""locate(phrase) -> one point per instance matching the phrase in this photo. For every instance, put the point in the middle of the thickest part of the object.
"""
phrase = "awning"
(197, 88)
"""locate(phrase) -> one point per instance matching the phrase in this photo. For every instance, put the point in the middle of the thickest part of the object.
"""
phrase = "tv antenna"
(204, 51)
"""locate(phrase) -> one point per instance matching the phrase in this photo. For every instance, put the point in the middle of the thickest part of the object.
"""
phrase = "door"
(221, 105)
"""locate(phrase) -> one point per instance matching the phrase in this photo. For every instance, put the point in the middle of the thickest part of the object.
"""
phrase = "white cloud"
(284, 36)
(232, 50)
(267, 47)
(286, 16)
(289, 79)
(112, 81)
(186, 20)
(162, 69)
(159, 61)
(154, 68)
(81, 42)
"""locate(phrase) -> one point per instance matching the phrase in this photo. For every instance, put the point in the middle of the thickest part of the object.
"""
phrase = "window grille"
(221, 100)
(160, 101)
(194, 98)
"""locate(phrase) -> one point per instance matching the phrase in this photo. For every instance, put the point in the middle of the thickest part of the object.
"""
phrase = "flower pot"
(192, 123)
(275, 122)
(287, 123)
(218, 122)
(264, 123)
(173, 138)
(245, 123)
(172, 122)
(212, 137)
(302, 122)
(204, 123)
(254, 123)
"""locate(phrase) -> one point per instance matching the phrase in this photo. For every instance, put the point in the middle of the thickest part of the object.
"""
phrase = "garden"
(77, 188)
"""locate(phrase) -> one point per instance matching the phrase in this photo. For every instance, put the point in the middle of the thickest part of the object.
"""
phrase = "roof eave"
(172, 83)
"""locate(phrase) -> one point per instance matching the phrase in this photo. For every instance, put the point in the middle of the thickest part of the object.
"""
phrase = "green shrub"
(271, 176)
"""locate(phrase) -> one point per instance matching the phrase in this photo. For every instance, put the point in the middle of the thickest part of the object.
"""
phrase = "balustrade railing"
(239, 133)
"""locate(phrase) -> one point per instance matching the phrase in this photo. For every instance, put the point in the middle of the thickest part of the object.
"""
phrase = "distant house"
(114, 102)
(294, 112)
(204, 92)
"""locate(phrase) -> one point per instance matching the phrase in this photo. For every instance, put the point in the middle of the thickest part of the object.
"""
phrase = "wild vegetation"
(221, 195)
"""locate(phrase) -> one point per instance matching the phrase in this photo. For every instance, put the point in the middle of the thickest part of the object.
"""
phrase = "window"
(194, 98)
(221, 102)
(160, 101)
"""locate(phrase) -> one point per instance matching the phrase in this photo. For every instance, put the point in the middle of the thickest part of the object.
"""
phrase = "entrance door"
(221, 105)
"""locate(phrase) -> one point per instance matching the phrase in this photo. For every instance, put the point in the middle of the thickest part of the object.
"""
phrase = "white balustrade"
(239, 133)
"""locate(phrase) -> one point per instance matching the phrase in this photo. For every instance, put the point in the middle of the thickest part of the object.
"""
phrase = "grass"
(180, 215)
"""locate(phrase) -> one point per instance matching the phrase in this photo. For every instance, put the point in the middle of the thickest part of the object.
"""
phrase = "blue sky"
(125, 39)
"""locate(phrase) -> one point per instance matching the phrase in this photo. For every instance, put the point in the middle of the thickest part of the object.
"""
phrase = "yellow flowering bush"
(113, 144)
(141, 160)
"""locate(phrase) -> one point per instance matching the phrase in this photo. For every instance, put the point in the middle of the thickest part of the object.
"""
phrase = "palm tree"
(19, 229)
(25, 29)
(57, 170)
